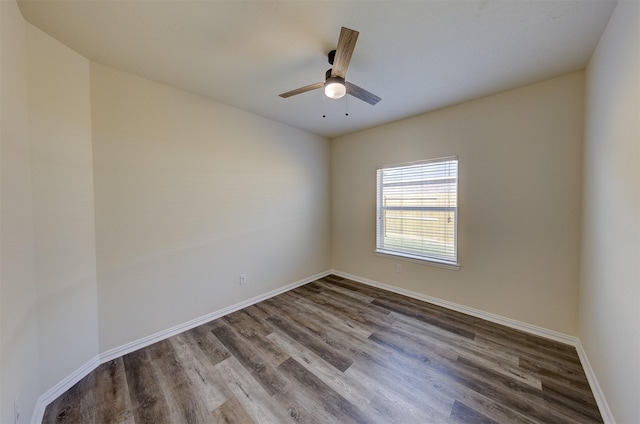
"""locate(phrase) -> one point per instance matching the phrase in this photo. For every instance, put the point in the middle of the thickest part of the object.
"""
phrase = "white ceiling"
(417, 55)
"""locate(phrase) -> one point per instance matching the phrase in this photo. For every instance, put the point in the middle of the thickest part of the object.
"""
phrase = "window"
(417, 210)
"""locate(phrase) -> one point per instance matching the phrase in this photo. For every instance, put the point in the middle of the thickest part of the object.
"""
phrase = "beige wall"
(189, 195)
(519, 182)
(170, 220)
(176, 182)
(64, 222)
(610, 278)
(18, 310)
(48, 275)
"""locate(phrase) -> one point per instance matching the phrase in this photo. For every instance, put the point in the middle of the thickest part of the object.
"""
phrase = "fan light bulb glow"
(334, 88)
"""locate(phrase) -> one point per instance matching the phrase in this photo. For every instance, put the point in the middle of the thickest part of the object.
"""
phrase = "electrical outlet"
(243, 278)
(399, 268)
(16, 410)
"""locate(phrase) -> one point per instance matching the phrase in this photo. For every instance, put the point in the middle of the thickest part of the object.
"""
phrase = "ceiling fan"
(335, 85)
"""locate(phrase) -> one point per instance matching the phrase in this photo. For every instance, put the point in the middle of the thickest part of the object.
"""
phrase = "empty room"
(319, 211)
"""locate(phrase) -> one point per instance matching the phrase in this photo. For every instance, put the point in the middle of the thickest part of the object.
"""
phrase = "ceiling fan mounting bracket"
(331, 55)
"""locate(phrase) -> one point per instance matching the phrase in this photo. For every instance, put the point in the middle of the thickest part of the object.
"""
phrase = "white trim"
(418, 162)
(417, 260)
(607, 416)
(603, 406)
(53, 393)
(165, 334)
(518, 325)
(65, 384)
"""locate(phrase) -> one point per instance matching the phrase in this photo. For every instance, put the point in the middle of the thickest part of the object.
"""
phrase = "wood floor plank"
(246, 324)
(366, 314)
(339, 338)
(231, 412)
(539, 356)
(491, 408)
(461, 344)
(521, 397)
(316, 344)
(410, 311)
(199, 370)
(255, 400)
(256, 334)
(184, 403)
(467, 323)
(147, 397)
(464, 414)
(341, 286)
(570, 378)
(349, 388)
(352, 296)
(251, 358)
(398, 375)
(315, 391)
(398, 402)
(112, 393)
(407, 346)
(336, 320)
(445, 382)
(392, 408)
(579, 401)
(214, 350)
(449, 382)
(337, 351)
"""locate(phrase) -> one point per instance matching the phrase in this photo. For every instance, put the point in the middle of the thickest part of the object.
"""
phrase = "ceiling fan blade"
(302, 89)
(361, 93)
(346, 44)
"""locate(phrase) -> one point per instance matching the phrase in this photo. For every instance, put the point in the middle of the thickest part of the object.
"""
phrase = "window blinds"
(417, 210)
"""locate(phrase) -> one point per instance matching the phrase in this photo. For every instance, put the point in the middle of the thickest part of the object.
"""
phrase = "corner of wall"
(610, 246)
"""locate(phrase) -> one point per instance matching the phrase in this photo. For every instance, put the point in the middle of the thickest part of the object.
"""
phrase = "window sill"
(418, 260)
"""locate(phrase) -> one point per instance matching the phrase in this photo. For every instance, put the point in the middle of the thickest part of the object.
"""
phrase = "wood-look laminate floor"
(336, 351)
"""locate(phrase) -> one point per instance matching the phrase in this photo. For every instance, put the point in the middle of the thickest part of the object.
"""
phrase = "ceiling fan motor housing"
(327, 75)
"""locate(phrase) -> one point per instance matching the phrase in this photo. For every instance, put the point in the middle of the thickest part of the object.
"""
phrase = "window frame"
(380, 228)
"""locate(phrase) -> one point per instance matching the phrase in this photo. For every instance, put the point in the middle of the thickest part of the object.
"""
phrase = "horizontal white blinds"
(417, 210)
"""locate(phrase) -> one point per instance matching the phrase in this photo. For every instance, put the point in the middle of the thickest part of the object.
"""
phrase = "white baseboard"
(53, 393)
(165, 334)
(607, 416)
(518, 325)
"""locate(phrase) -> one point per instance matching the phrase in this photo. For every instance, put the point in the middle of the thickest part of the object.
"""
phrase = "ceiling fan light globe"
(334, 88)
